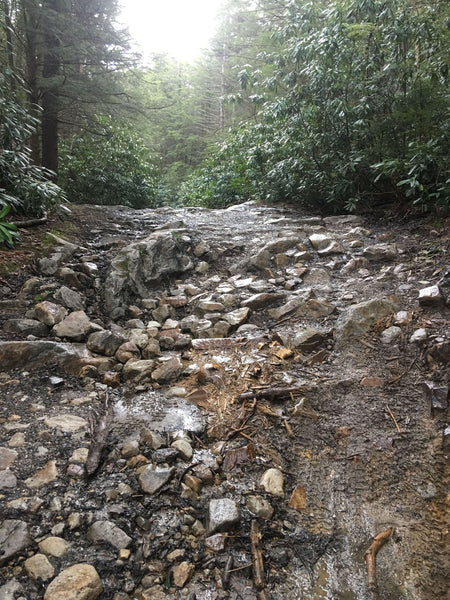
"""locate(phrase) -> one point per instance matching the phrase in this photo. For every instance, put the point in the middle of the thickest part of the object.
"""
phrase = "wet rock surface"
(261, 366)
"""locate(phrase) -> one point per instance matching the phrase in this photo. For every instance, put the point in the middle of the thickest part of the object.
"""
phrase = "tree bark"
(50, 96)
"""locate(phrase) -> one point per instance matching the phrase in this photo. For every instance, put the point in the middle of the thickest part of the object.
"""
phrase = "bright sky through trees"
(180, 28)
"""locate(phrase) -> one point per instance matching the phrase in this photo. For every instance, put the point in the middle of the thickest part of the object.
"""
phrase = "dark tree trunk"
(30, 20)
(50, 95)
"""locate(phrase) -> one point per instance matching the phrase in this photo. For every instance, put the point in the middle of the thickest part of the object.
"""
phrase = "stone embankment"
(180, 384)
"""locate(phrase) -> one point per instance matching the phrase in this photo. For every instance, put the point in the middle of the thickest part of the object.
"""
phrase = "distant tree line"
(337, 105)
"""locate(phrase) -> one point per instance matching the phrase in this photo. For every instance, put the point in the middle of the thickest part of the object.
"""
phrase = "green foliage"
(358, 111)
(109, 166)
(23, 185)
(8, 231)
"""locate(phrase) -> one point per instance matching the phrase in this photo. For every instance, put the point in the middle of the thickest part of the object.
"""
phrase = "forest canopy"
(334, 106)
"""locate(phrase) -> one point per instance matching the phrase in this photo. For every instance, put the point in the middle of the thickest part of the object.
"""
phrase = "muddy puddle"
(154, 410)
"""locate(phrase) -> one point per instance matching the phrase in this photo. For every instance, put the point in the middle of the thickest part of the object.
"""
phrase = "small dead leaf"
(298, 498)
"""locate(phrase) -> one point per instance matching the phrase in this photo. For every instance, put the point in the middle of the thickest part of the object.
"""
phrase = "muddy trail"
(228, 404)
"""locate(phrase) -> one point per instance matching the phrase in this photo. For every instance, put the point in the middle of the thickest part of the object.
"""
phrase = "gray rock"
(104, 342)
(39, 567)
(54, 546)
(152, 479)
(258, 301)
(325, 244)
(61, 254)
(139, 337)
(168, 371)
(14, 538)
(139, 267)
(359, 318)
(237, 317)
(10, 590)
(431, 296)
(339, 220)
(26, 327)
(74, 327)
(381, 252)
(69, 298)
(223, 515)
(7, 480)
(66, 422)
(106, 531)
(272, 481)
(139, 370)
(260, 507)
(127, 351)
(34, 354)
(291, 306)
(389, 335)
(7, 457)
(78, 582)
(184, 448)
(308, 339)
(418, 336)
(261, 260)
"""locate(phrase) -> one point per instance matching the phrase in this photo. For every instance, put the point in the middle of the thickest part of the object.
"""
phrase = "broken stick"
(258, 561)
(370, 558)
(99, 430)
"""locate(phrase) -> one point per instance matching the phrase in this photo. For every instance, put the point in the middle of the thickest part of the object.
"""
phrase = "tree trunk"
(30, 19)
(50, 95)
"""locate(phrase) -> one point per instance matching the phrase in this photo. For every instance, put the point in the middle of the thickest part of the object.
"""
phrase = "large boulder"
(139, 267)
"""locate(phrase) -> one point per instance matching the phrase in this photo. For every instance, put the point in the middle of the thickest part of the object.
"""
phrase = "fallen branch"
(271, 394)
(370, 558)
(29, 222)
(99, 430)
(258, 561)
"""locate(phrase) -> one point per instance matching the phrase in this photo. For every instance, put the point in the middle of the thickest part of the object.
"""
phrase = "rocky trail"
(228, 404)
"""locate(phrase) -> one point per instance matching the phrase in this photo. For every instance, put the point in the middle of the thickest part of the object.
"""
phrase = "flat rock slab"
(14, 538)
(78, 582)
(34, 354)
(66, 423)
(106, 531)
(152, 479)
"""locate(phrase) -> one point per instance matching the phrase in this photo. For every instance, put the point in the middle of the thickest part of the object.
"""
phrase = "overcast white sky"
(180, 28)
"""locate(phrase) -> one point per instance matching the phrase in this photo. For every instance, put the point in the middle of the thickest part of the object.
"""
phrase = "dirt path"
(348, 318)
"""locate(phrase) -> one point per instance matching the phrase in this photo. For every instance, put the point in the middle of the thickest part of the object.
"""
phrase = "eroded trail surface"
(274, 394)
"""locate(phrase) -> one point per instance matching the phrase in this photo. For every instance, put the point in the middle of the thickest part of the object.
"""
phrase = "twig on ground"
(393, 418)
(99, 430)
(258, 561)
(370, 558)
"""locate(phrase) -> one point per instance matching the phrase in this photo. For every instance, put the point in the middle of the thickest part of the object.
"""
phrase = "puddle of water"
(159, 413)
